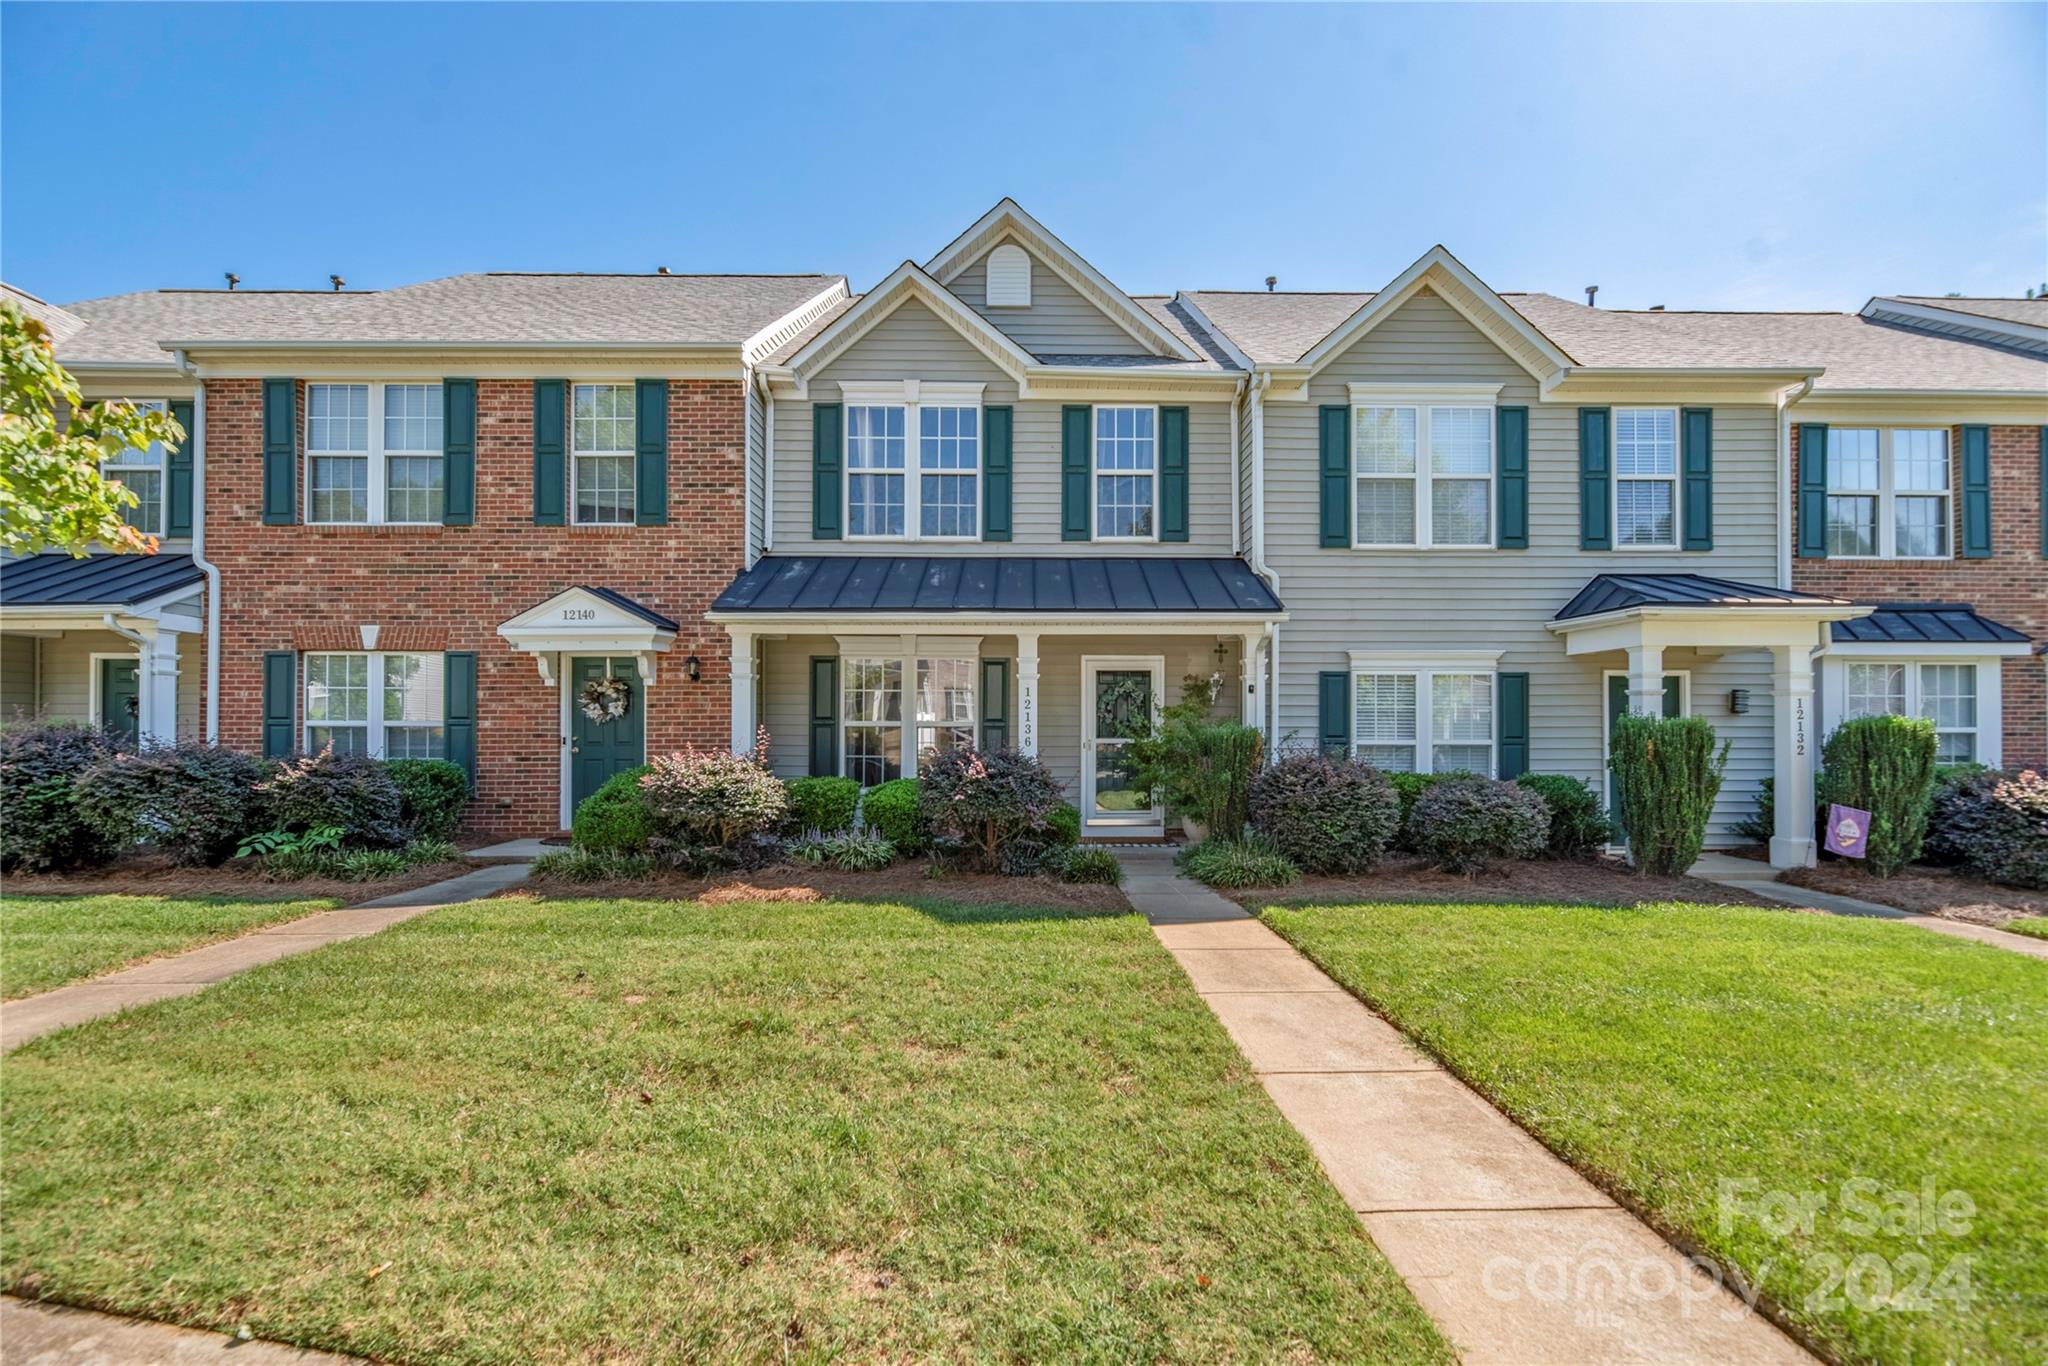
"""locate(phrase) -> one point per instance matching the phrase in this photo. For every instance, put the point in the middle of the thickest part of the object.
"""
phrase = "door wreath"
(604, 700)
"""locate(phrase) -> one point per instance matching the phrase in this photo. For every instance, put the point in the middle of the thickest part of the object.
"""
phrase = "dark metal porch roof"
(104, 580)
(1620, 592)
(1926, 623)
(1049, 584)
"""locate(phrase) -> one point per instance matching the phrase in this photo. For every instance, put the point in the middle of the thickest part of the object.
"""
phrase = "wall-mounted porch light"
(693, 668)
(1738, 701)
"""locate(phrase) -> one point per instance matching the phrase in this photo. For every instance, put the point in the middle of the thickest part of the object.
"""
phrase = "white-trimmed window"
(1945, 694)
(601, 443)
(1126, 473)
(949, 472)
(374, 453)
(387, 705)
(1422, 472)
(941, 713)
(1423, 719)
(142, 473)
(913, 461)
(877, 492)
(1888, 493)
(1645, 477)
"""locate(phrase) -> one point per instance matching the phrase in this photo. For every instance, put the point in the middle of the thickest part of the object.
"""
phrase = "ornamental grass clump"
(712, 806)
(1469, 824)
(984, 804)
(1327, 815)
(1669, 769)
(1883, 765)
(1253, 861)
(195, 803)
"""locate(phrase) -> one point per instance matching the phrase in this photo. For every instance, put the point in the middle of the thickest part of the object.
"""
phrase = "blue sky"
(1789, 157)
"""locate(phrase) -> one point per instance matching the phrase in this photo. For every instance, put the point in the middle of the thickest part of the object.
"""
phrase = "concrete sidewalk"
(1518, 1258)
(52, 1335)
(183, 974)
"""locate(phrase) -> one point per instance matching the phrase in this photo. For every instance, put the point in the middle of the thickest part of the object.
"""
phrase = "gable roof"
(1437, 269)
(841, 328)
(2021, 323)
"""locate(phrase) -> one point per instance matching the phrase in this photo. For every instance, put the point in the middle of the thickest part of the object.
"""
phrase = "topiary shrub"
(1063, 825)
(613, 819)
(1578, 818)
(1469, 824)
(1952, 805)
(351, 792)
(432, 795)
(985, 803)
(1253, 861)
(1088, 865)
(891, 810)
(1670, 772)
(1998, 823)
(195, 803)
(41, 829)
(1328, 815)
(709, 806)
(1883, 765)
(825, 805)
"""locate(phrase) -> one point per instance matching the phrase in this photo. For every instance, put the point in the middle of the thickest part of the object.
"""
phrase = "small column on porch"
(742, 666)
(1027, 691)
(157, 682)
(1250, 696)
(1792, 756)
(1646, 679)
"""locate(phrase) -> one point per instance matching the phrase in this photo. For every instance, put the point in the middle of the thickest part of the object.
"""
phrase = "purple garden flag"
(1848, 831)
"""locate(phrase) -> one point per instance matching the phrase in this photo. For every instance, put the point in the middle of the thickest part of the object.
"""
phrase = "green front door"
(599, 749)
(121, 697)
(1617, 707)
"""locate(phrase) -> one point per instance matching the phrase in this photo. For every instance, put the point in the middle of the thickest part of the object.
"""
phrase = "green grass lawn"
(2034, 927)
(1667, 1049)
(46, 941)
(525, 1129)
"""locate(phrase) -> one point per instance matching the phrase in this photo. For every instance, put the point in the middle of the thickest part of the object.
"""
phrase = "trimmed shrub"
(1089, 865)
(891, 810)
(823, 804)
(709, 800)
(41, 829)
(432, 795)
(1578, 817)
(985, 803)
(350, 791)
(194, 802)
(1951, 807)
(1327, 815)
(1883, 765)
(1410, 786)
(1063, 825)
(1762, 822)
(613, 819)
(1670, 772)
(1999, 823)
(1466, 825)
(1253, 861)
(593, 865)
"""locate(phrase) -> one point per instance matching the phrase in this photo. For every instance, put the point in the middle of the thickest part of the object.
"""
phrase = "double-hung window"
(374, 453)
(601, 441)
(1422, 471)
(1126, 473)
(1645, 477)
(1423, 719)
(1888, 493)
(913, 461)
(386, 705)
(142, 473)
(1945, 694)
(882, 728)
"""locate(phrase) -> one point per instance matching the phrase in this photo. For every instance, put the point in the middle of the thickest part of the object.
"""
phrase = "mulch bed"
(151, 875)
(1601, 882)
(904, 881)
(1924, 891)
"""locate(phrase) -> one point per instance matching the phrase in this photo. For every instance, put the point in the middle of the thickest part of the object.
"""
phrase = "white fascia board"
(617, 365)
(1404, 287)
(1718, 628)
(906, 282)
(1961, 650)
(719, 348)
(2004, 329)
(549, 626)
(1003, 623)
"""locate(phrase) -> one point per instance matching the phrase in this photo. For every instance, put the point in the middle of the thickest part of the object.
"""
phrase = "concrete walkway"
(1760, 879)
(51, 1335)
(196, 969)
(1518, 1258)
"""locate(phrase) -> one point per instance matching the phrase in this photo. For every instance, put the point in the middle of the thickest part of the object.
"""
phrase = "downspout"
(1785, 402)
(1257, 399)
(197, 436)
(1242, 407)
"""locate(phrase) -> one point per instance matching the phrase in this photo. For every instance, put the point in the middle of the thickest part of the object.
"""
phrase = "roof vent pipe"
(337, 282)
(233, 280)
(1656, 308)
(661, 270)
(1591, 290)
(1271, 280)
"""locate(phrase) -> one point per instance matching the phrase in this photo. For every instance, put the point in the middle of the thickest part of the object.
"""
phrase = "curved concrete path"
(52, 1335)
(1518, 1258)
(182, 974)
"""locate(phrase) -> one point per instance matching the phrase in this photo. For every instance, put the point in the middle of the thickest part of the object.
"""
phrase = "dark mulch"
(153, 875)
(903, 881)
(1601, 882)
(1924, 891)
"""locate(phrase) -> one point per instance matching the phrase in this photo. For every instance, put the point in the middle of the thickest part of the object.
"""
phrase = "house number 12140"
(579, 614)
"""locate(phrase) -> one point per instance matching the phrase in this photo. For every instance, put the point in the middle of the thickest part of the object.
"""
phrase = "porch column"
(158, 685)
(1027, 691)
(1646, 679)
(742, 667)
(1792, 750)
(1250, 696)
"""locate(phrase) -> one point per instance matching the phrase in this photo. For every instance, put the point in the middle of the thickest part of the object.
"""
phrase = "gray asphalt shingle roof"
(124, 329)
(1924, 622)
(823, 584)
(1619, 592)
(96, 580)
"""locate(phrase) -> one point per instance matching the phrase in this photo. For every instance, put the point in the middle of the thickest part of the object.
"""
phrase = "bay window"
(386, 705)
(1423, 719)
(913, 460)
(601, 453)
(1645, 477)
(1888, 493)
(1126, 473)
(374, 453)
(886, 735)
(142, 473)
(1422, 472)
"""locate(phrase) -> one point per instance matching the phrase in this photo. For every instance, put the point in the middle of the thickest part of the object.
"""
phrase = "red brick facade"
(2010, 587)
(448, 588)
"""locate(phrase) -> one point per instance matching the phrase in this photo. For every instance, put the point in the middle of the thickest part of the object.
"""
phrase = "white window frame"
(913, 396)
(151, 460)
(377, 456)
(1096, 473)
(1989, 730)
(631, 453)
(375, 723)
(1888, 492)
(1424, 400)
(905, 652)
(1676, 479)
(1424, 669)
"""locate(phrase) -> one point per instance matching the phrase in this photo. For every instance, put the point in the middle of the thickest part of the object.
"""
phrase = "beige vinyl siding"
(1060, 321)
(757, 457)
(1243, 435)
(915, 343)
(1396, 601)
(67, 675)
(17, 678)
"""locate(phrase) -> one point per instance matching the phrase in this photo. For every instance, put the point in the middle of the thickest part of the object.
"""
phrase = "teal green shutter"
(1976, 493)
(280, 704)
(1333, 712)
(458, 452)
(1514, 724)
(650, 452)
(824, 716)
(995, 704)
(1334, 446)
(280, 452)
(178, 499)
(1075, 505)
(995, 473)
(1173, 474)
(458, 719)
(550, 461)
(1596, 473)
(1696, 459)
(1511, 477)
(1813, 491)
(828, 459)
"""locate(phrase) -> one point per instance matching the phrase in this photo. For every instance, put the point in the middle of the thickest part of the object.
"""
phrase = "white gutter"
(1785, 480)
(197, 436)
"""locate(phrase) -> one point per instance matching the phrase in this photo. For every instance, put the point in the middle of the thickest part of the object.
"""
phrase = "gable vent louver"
(1009, 277)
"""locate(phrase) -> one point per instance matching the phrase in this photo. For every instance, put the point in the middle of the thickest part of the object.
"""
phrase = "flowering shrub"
(1998, 824)
(710, 800)
(40, 826)
(1327, 815)
(194, 802)
(351, 791)
(985, 803)
(1465, 825)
